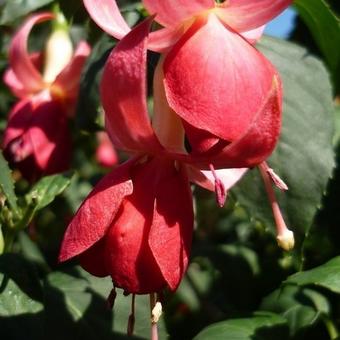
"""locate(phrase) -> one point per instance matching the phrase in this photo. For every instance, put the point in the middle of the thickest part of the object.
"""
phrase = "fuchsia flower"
(210, 70)
(37, 138)
(136, 225)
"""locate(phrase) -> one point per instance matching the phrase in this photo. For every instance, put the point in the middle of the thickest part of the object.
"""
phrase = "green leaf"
(81, 299)
(14, 9)
(302, 307)
(21, 309)
(325, 27)
(326, 276)
(261, 326)
(45, 191)
(87, 110)
(6, 183)
(304, 155)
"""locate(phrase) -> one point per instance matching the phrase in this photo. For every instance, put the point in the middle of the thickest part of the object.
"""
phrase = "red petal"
(172, 225)
(257, 143)
(50, 137)
(245, 15)
(93, 259)
(18, 121)
(171, 13)
(19, 58)
(69, 78)
(106, 14)
(123, 94)
(129, 258)
(235, 79)
(97, 212)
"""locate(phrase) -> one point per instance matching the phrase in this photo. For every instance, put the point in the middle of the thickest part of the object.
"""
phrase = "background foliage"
(239, 284)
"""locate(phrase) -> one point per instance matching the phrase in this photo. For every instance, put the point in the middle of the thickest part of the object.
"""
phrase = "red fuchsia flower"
(213, 78)
(211, 71)
(106, 154)
(136, 225)
(37, 139)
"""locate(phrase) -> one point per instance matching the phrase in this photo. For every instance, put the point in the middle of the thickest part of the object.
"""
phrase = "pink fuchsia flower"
(210, 71)
(136, 225)
(247, 17)
(106, 154)
(37, 138)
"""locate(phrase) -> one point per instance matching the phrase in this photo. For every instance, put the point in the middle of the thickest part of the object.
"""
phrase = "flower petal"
(235, 79)
(97, 212)
(172, 13)
(129, 259)
(68, 80)
(206, 180)
(245, 15)
(106, 14)
(50, 137)
(123, 94)
(19, 58)
(256, 144)
(172, 225)
(18, 121)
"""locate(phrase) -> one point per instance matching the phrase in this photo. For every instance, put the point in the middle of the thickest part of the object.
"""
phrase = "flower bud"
(58, 50)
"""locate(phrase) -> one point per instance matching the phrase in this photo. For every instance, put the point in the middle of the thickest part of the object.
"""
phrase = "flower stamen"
(285, 237)
(220, 192)
(131, 321)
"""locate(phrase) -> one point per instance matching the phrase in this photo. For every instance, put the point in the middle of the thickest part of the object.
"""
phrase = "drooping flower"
(136, 225)
(37, 138)
(150, 189)
(247, 17)
(210, 69)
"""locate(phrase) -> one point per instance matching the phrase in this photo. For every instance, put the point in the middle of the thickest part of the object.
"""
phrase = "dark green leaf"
(326, 275)
(304, 155)
(261, 326)
(21, 310)
(81, 298)
(87, 110)
(6, 183)
(15, 9)
(325, 28)
(302, 307)
(45, 191)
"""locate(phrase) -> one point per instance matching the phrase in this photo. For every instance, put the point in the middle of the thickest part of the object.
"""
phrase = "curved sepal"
(123, 93)
(235, 79)
(245, 15)
(19, 58)
(97, 212)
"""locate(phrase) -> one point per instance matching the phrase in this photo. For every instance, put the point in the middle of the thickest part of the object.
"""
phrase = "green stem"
(331, 328)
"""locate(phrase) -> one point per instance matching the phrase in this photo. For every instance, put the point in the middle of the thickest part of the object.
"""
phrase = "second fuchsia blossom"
(37, 138)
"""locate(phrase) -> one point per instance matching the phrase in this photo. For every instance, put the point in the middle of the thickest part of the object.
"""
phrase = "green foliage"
(6, 184)
(14, 9)
(261, 326)
(304, 157)
(325, 27)
(326, 276)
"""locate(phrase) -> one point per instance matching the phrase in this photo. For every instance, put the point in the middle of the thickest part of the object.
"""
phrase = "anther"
(111, 298)
(278, 182)
(285, 237)
(220, 192)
